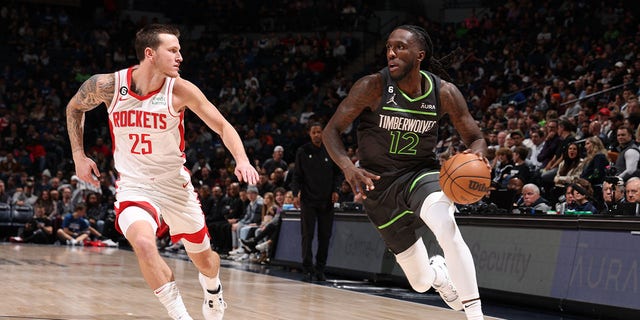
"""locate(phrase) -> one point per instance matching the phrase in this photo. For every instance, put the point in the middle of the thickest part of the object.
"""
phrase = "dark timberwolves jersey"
(401, 134)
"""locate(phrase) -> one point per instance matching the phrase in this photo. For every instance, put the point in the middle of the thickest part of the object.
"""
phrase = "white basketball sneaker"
(213, 306)
(447, 290)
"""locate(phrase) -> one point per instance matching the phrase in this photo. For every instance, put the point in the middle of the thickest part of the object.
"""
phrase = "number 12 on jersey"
(403, 142)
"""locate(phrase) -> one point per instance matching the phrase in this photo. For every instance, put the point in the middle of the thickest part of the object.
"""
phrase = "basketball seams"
(448, 182)
(462, 164)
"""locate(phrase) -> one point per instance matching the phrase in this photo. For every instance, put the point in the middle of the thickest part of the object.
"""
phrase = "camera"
(610, 175)
(610, 170)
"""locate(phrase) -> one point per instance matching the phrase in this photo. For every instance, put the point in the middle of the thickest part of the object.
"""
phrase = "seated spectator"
(289, 202)
(520, 168)
(264, 236)
(75, 227)
(583, 196)
(65, 205)
(612, 194)
(566, 203)
(219, 227)
(515, 186)
(264, 185)
(631, 205)
(531, 201)
(232, 209)
(277, 178)
(203, 177)
(275, 161)
(251, 220)
(536, 136)
(345, 193)
(443, 157)
(551, 144)
(96, 212)
(628, 157)
(37, 230)
(595, 164)
(503, 163)
(25, 196)
(4, 196)
(279, 196)
(570, 168)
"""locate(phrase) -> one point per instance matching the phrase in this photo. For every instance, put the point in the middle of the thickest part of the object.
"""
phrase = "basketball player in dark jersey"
(399, 108)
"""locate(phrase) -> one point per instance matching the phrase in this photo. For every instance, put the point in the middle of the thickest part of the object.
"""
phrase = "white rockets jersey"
(147, 134)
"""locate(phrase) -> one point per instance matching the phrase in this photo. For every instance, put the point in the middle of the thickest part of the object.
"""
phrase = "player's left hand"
(481, 155)
(87, 170)
(246, 172)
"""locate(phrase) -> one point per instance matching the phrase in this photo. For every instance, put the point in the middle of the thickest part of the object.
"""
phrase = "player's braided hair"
(437, 66)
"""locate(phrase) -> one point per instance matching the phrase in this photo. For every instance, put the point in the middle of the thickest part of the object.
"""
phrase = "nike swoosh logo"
(184, 185)
(121, 99)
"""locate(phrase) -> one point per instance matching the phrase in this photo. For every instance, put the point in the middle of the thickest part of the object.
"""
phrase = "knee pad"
(133, 214)
(196, 247)
(437, 212)
(436, 202)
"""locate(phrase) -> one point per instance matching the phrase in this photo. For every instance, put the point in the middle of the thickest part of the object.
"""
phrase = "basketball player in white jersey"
(146, 105)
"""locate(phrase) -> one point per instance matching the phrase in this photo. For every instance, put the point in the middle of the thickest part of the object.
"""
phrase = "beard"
(403, 71)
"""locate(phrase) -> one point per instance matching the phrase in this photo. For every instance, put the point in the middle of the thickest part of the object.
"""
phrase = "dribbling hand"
(360, 180)
(481, 155)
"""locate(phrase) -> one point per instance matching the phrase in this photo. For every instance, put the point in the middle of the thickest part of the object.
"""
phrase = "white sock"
(210, 284)
(473, 310)
(170, 297)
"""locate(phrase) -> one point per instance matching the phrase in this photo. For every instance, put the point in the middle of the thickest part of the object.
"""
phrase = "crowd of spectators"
(553, 85)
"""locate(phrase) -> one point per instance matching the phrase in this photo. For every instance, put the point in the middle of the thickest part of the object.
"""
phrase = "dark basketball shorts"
(395, 210)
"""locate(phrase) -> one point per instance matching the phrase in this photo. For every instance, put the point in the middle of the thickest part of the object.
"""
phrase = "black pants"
(323, 214)
(267, 233)
(220, 233)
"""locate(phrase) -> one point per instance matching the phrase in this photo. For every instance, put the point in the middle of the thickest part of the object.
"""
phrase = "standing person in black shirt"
(315, 182)
(398, 110)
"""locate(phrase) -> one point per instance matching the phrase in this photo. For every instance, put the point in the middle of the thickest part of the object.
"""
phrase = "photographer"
(37, 230)
(613, 195)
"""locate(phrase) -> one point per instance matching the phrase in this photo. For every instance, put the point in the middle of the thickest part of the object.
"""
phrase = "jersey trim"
(171, 109)
(197, 237)
(146, 206)
(410, 111)
(402, 214)
(422, 96)
(135, 95)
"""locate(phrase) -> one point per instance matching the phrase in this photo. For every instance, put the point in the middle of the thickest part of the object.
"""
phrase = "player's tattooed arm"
(96, 90)
(93, 92)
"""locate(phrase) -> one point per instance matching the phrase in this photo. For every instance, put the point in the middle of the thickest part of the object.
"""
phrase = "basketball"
(465, 178)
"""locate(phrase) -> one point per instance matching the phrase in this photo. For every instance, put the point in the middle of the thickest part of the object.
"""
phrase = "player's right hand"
(360, 180)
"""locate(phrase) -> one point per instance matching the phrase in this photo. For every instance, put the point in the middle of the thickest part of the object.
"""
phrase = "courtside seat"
(21, 215)
(5, 214)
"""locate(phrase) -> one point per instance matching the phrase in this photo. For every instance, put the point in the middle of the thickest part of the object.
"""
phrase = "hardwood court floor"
(59, 282)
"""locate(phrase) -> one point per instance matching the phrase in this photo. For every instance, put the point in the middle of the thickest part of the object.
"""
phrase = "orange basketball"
(465, 178)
